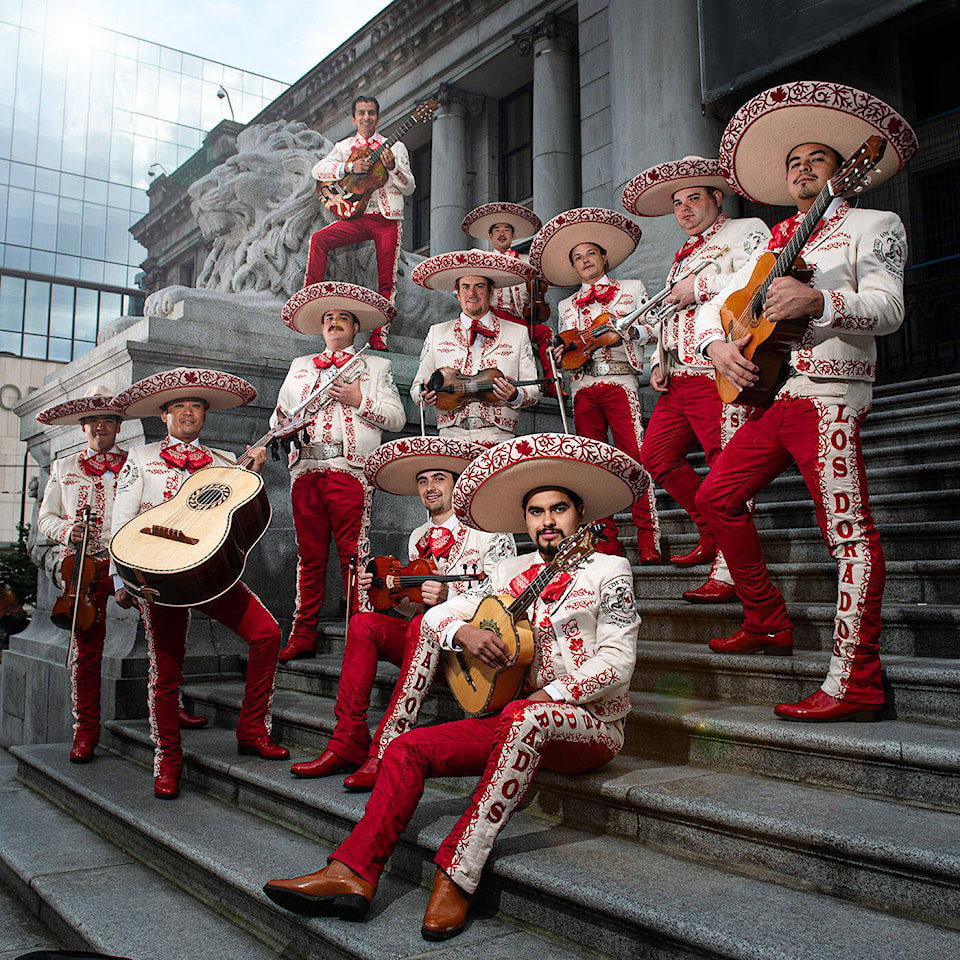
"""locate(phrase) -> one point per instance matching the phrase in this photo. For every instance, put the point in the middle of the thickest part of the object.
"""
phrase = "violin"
(454, 389)
(392, 581)
(75, 607)
(537, 309)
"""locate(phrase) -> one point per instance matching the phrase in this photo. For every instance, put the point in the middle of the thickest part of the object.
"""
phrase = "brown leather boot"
(447, 910)
(334, 891)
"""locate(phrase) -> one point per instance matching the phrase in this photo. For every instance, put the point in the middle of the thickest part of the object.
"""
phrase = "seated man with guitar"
(447, 555)
(572, 696)
(84, 481)
(522, 303)
(379, 217)
(788, 144)
(152, 475)
(688, 409)
(580, 246)
(358, 400)
(477, 370)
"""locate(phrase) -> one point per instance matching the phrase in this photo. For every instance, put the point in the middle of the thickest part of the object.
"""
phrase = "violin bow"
(558, 383)
(78, 568)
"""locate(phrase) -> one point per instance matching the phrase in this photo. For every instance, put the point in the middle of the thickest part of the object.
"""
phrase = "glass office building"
(86, 114)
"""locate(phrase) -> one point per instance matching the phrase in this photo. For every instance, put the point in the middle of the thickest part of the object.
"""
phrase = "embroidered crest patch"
(891, 252)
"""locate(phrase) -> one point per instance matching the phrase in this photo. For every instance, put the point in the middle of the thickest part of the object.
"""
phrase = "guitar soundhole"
(212, 495)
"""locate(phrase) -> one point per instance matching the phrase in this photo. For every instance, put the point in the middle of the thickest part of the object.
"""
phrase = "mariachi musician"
(330, 495)
(573, 700)
(688, 408)
(477, 341)
(86, 479)
(426, 467)
(581, 246)
(151, 475)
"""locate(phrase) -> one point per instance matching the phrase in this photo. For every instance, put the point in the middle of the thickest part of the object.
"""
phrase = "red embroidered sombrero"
(650, 193)
(477, 223)
(221, 391)
(442, 271)
(304, 311)
(490, 491)
(550, 250)
(97, 399)
(393, 467)
(761, 134)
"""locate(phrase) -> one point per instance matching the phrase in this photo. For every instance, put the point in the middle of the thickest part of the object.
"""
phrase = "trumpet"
(349, 372)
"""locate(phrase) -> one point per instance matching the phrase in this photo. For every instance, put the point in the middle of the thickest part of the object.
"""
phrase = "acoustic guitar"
(742, 311)
(348, 197)
(480, 688)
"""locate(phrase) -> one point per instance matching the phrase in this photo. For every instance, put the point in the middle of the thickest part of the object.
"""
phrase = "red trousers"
(385, 235)
(86, 658)
(166, 627)
(823, 437)
(507, 749)
(371, 637)
(540, 334)
(608, 406)
(325, 503)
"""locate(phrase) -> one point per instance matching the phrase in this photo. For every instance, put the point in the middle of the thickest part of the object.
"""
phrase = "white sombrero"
(304, 311)
(550, 251)
(393, 467)
(761, 134)
(650, 193)
(442, 271)
(477, 223)
(489, 493)
(221, 391)
(97, 399)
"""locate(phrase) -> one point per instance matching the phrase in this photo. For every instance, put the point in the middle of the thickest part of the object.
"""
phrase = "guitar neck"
(398, 134)
(519, 607)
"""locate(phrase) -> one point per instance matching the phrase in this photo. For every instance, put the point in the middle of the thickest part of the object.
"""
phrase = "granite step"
(642, 899)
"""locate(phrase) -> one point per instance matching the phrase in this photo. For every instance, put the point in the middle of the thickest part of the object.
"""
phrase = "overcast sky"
(281, 39)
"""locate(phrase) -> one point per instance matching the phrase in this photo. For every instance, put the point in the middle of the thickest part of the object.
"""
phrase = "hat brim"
(650, 193)
(550, 251)
(477, 223)
(443, 271)
(757, 141)
(489, 494)
(393, 466)
(304, 311)
(220, 390)
(73, 411)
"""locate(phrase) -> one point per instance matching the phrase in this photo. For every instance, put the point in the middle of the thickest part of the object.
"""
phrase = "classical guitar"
(348, 197)
(480, 688)
(454, 389)
(742, 311)
(392, 581)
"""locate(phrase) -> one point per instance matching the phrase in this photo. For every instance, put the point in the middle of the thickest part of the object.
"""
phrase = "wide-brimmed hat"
(96, 399)
(393, 466)
(489, 494)
(477, 223)
(304, 311)
(442, 271)
(221, 391)
(650, 193)
(761, 134)
(550, 251)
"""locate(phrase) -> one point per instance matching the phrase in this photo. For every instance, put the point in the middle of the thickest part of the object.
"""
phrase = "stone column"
(555, 156)
(448, 174)
(655, 103)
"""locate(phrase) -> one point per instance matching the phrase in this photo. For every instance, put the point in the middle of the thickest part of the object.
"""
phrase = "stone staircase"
(720, 831)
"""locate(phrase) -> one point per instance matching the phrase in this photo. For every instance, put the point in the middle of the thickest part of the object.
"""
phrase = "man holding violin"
(84, 480)
(426, 467)
(477, 354)
(688, 408)
(330, 496)
(580, 246)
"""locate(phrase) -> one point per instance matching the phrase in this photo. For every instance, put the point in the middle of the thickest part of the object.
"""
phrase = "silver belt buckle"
(600, 368)
(473, 423)
(329, 450)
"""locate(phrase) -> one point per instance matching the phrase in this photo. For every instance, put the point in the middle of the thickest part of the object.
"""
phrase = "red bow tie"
(336, 359)
(437, 542)
(689, 246)
(182, 456)
(782, 233)
(100, 463)
(553, 590)
(597, 293)
(478, 329)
